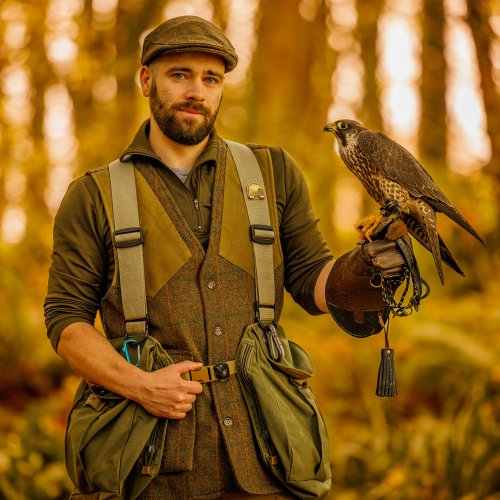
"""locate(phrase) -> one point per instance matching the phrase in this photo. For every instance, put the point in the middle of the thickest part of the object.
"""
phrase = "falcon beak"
(329, 127)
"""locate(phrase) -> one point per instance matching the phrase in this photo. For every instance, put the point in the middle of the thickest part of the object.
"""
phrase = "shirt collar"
(140, 147)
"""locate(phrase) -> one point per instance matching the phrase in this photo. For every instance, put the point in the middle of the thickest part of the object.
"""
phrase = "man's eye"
(179, 76)
(211, 81)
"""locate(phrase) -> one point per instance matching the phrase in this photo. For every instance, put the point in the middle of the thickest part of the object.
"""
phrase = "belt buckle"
(221, 372)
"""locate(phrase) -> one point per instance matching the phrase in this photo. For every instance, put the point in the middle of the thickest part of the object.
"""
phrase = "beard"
(186, 131)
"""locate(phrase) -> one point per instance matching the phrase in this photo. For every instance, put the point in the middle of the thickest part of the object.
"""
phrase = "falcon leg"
(390, 207)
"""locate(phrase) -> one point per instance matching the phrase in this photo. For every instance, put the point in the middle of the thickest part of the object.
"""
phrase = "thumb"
(185, 366)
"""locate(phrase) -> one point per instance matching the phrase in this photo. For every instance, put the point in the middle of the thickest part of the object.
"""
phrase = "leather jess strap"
(211, 373)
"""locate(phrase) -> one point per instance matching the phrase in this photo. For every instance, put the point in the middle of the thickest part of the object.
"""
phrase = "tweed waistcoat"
(199, 304)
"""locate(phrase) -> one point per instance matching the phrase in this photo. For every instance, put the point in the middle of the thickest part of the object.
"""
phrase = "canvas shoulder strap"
(261, 231)
(128, 238)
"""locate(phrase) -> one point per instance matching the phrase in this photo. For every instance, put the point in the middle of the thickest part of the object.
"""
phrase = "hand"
(166, 394)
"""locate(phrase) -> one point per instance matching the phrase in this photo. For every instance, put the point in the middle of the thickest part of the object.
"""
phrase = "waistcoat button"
(228, 422)
(218, 330)
(211, 284)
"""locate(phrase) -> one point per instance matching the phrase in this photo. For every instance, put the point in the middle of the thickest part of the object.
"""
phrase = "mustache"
(192, 106)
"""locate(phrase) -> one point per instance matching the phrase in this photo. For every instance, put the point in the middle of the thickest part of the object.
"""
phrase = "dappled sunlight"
(60, 142)
(13, 224)
(17, 92)
(399, 71)
(469, 146)
(242, 30)
(104, 13)
(62, 33)
(347, 80)
(201, 8)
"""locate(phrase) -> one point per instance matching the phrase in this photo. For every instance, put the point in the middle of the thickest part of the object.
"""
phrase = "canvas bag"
(113, 446)
(287, 422)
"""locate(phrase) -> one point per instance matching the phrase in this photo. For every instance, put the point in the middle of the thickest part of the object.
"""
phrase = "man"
(199, 270)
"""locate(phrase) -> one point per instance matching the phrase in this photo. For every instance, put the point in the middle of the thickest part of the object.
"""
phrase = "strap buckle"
(264, 312)
(261, 233)
(211, 373)
(221, 372)
(128, 237)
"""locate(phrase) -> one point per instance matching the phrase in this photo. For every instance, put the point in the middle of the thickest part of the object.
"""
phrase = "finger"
(185, 366)
(190, 398)
(175, 416)
(180, 411)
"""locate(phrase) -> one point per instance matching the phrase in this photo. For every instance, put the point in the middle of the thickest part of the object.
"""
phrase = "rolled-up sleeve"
(304, 248)
(79, 271)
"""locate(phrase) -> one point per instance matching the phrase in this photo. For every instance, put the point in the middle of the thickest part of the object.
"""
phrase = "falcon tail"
(418, 233)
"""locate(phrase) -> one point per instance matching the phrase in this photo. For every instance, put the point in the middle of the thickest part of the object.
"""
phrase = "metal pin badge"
(255, 192)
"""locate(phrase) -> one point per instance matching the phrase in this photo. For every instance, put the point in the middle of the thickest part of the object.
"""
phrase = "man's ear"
(146, 78)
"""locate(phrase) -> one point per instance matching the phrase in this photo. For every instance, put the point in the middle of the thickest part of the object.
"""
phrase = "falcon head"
(344, 130)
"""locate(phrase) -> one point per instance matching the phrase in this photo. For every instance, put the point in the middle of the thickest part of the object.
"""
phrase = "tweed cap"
(188, 34)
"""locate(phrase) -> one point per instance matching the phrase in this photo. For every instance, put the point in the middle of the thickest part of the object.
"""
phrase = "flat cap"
(188, 34)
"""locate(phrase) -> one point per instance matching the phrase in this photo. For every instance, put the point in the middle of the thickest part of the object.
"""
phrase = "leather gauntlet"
(353, 301)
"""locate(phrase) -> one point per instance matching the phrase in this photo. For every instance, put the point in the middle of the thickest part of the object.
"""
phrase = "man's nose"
(195, 89)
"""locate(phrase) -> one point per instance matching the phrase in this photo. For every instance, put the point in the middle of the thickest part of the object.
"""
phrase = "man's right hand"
(166, 394)
(163, 393)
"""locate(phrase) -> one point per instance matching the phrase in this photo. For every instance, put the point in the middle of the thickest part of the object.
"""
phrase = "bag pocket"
(178, 452)
(287, 422)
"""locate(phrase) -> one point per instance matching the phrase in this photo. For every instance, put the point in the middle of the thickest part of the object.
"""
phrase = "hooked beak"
(329, 127)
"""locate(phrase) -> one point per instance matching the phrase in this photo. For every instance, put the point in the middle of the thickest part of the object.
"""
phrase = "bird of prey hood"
(389, 172)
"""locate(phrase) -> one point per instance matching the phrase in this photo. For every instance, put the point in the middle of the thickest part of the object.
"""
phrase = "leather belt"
(211, 373)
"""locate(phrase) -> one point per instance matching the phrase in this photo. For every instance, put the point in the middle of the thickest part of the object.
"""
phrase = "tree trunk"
(368, 16)
(432, 135)
(478, 15)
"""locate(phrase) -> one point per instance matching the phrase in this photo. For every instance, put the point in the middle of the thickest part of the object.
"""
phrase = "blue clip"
(125, 345)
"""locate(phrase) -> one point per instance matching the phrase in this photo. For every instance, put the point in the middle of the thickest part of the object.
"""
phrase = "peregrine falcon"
(393, 177)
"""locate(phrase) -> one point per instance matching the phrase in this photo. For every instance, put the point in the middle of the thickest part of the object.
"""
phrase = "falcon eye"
(343, 126)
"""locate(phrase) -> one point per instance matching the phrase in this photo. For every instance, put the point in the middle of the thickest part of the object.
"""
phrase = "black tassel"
(386, 383)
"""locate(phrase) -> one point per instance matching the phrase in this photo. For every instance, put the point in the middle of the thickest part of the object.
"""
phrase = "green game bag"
(287, 422)
(113, 445)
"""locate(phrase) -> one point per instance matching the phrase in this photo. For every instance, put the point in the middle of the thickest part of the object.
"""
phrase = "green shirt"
(83, 262)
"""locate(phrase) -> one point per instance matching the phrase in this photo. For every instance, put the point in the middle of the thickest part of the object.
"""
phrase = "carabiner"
(135, 343)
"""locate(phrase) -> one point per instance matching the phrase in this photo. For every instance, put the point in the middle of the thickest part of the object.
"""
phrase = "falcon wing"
(399, 165)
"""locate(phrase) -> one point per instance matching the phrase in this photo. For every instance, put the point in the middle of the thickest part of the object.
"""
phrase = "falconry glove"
(354, 294)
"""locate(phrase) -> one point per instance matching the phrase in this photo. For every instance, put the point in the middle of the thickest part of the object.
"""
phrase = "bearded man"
(199, 270)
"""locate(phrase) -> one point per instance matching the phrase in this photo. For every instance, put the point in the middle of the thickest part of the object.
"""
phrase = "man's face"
(185, 92)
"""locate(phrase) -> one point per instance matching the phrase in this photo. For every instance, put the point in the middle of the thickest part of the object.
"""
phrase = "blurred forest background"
(427, 72)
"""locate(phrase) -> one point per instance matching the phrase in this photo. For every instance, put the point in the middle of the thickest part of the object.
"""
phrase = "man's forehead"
(192, 60)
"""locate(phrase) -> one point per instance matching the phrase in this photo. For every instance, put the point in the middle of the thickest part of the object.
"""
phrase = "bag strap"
(261, 231)
(128, 238)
